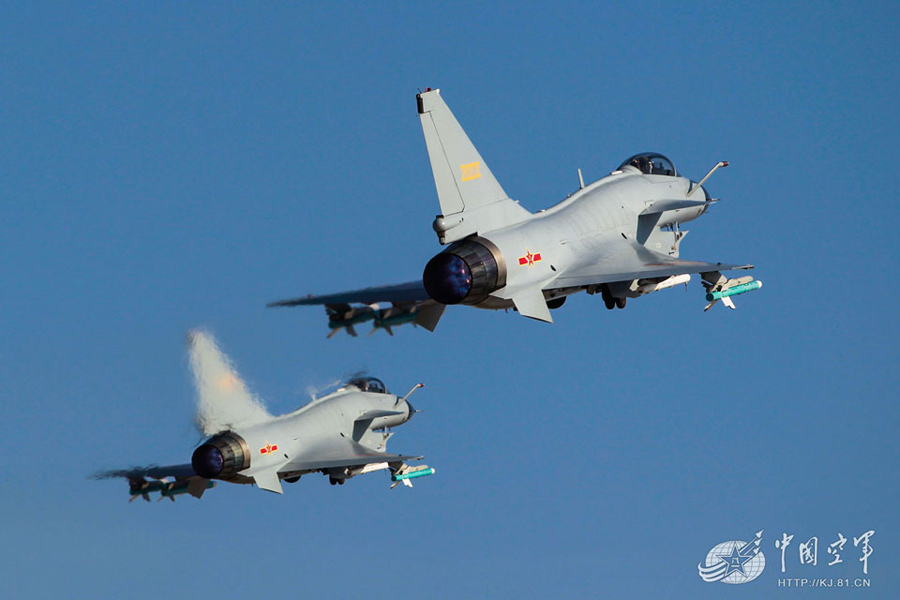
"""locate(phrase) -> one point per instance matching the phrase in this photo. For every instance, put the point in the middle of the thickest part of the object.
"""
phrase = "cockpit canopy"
(650, 163)
(368, 384)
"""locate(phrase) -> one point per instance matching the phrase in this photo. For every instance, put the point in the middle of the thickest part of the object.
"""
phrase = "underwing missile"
(665, 283)
(734, 291)
(169, 489)
(387, 318)
(412, 474)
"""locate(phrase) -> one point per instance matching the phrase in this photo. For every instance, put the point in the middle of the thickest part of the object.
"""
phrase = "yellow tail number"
(471, 171)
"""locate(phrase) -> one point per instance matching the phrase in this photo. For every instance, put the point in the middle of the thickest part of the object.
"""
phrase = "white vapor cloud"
(223, 400)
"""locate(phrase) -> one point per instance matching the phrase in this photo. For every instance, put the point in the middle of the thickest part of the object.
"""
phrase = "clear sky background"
(168, 166)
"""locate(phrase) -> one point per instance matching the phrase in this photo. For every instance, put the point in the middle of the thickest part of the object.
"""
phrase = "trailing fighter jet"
(341, 435)
(618, 237)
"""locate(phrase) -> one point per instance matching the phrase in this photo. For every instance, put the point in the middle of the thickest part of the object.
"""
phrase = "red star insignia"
(268, 448)
(529, 258)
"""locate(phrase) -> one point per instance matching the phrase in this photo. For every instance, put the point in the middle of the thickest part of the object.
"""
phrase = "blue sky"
(171, 166)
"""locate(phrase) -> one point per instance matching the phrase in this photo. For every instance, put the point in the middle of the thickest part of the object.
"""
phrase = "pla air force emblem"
(529, 259)
(268, 448)
(734, 562)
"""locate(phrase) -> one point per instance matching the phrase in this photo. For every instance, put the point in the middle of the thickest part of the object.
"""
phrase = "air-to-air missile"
(411, 473)
(345, 317)
(722, 288)
(167, 489)
(646, 288)
(736, 290)
(386, 318)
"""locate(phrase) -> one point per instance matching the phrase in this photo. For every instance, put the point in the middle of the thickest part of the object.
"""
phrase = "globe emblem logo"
(734, 562)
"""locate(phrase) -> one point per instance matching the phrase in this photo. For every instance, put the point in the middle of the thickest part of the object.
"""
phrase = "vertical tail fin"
(463, 180)
(223, 400)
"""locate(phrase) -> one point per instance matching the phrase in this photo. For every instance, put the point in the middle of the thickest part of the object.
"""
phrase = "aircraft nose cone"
(412, 410)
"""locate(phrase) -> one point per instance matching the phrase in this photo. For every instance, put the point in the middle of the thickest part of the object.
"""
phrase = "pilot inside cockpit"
(650, 163)
(368, 384)
(642, 164)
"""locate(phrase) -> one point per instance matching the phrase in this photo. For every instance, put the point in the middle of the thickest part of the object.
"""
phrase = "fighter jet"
(618, 237)
(342, 434)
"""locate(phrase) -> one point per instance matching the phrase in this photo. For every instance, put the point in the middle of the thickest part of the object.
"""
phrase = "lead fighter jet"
(341, 435)
(618, 236)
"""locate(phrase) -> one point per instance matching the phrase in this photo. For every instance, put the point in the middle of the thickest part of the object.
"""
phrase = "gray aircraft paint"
(341, 434)
(619, 236)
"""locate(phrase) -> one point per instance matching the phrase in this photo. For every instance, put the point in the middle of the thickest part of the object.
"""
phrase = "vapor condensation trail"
(223, 400)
